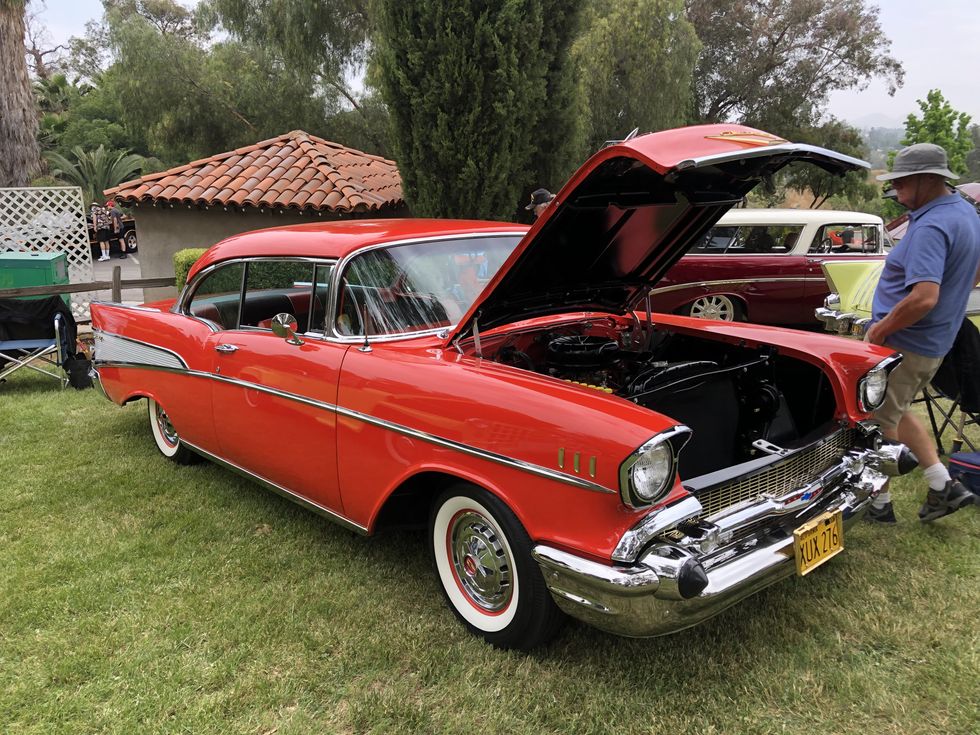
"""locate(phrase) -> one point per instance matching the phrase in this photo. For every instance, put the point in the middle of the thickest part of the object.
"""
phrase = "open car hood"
(627, 215)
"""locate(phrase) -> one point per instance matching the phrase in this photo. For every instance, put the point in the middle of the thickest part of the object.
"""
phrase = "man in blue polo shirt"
(919, 305)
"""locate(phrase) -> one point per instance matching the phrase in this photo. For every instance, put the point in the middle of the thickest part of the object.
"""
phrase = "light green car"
(847, 310)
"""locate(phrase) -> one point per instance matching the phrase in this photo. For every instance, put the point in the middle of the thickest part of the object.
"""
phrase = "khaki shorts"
(904, 384)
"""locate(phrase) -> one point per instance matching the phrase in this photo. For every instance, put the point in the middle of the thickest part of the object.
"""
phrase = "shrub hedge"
(183, 260)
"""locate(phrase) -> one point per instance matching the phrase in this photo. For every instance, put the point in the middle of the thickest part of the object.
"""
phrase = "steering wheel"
(826, 246)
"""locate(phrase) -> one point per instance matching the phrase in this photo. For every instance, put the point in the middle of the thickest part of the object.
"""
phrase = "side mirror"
(285, 325)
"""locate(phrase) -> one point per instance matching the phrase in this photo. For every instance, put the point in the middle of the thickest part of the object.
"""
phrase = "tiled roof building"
(295, 171)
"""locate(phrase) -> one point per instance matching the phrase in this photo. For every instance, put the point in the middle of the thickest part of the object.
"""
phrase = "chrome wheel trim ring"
(714, 306)
(481, 564)
(167, 431)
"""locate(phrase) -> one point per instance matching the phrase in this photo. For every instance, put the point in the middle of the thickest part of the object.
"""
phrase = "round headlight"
(873, 388)
(653, 471)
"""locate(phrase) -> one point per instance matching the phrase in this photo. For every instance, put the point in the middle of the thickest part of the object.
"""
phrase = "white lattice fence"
(49, 219)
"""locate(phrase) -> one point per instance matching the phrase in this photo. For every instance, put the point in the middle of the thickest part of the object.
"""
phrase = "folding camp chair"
(957, 382)
(38, 335)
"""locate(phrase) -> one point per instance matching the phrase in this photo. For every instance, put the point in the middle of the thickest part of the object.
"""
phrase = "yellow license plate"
(817, 541)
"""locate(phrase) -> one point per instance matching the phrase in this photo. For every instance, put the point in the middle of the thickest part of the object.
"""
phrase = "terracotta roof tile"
(295, 170)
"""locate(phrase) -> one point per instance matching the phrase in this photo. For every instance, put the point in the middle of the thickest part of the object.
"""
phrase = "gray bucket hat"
(921, 158)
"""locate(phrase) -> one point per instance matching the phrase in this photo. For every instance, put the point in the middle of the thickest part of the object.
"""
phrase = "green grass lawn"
(137, 596)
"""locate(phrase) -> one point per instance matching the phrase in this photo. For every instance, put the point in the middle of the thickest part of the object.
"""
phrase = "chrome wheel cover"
(482, 566)
(167, 430)
(715, 306)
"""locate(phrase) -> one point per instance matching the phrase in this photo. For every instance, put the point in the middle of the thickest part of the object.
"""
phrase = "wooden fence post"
(117, 284)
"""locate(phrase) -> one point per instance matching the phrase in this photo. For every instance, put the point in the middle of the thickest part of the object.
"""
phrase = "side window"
(715, 242)
(848, 239)
(275, 287)
(218, 296)
(766, 239)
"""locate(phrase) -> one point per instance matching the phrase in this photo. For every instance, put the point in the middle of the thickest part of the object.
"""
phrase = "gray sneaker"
(950, 499)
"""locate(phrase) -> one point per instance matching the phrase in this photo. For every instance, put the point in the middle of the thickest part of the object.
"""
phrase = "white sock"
(882, 500)
(937, 476)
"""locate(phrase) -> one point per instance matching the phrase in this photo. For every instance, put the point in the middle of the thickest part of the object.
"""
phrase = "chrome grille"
(787, 475)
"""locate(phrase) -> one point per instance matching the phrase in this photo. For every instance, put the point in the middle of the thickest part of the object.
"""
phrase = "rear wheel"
(482, 557)
(166, 438)
(131, 242)
(716, 306)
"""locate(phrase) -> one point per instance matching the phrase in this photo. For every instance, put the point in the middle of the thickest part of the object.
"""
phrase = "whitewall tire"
(165, 436)
(482, 558)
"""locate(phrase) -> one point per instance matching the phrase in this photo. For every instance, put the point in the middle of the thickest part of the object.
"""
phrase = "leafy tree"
(95, 171)
(559, 134)
(164, 89)
(466, 83)
(973, 157)
(772, 63)
(853, 187)
(942, 125)
(19, 154)
(325, 43)
(635, 61)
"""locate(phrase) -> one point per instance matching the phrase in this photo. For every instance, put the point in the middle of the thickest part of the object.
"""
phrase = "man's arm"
(907, 312)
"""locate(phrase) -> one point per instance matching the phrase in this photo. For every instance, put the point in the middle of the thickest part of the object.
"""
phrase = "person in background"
(918, 306)
(102, 226)
(540, 199)
(116, 218)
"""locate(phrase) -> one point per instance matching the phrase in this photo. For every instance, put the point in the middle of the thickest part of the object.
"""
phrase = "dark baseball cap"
(539, 196)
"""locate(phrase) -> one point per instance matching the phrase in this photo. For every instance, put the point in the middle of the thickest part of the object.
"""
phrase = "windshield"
(417, 286)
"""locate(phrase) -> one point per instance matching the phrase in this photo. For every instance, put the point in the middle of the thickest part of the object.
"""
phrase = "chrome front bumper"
(845, 323)
(710, 564)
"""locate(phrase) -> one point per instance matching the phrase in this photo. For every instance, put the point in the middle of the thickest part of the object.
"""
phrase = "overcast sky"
(936, 40)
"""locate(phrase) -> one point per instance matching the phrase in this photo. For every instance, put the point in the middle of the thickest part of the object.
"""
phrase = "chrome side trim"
(365, 418)
(112, 348)
(280, 490)
(479, 453)
(733, 282)
(133, 307)
(331, 407)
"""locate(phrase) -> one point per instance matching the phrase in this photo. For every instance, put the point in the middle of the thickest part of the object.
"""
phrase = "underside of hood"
(628, 215)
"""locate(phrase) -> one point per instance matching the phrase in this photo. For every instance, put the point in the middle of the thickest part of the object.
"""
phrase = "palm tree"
(94, 171)
(20, 159)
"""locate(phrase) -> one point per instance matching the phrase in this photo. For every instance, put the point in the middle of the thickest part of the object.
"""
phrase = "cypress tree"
(472, 88)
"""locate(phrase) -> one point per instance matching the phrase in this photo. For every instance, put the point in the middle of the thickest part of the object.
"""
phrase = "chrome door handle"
(226, 348)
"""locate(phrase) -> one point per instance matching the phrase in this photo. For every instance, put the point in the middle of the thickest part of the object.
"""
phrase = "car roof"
(338, 239)
(795, 216)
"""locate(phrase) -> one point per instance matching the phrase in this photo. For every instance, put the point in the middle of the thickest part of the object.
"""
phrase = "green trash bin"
(20, 270)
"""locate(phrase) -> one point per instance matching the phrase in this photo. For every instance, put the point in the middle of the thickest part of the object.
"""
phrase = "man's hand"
(875, 334)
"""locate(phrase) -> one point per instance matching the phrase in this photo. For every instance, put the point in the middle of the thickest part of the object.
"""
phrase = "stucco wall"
(163, 231)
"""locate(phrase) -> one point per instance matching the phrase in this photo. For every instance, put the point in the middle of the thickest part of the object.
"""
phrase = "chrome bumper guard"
(703, 566)
(845, 323)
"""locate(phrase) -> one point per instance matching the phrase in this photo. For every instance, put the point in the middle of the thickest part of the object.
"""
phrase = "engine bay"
(731, 396)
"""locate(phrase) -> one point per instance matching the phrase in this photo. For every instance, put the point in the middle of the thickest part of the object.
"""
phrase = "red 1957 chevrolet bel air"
(569, 451)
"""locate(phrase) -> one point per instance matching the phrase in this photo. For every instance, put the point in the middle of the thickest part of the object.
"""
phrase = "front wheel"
(482, 558)
(166, 438)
